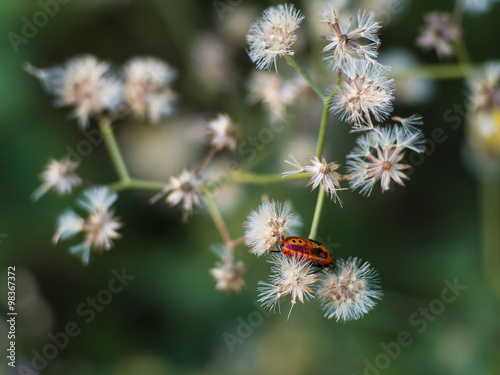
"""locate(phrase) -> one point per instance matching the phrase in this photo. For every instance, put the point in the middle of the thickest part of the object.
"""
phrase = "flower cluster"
(99, 227)
(346, 291)
(90, 87)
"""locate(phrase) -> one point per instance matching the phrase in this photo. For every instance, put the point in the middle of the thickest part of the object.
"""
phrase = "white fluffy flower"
(355, 41)
(365, 93)
(69, 224)
(348, 292)
(222, 132)
(378, 156)
(84, 83)
(289, 276)
(269, 224)
(228, 274)
(273, 34)
(440, 32)
(100, 227)
(147, 87)
(58, 175)
(322, 173)
(275, 93)
(185, 189)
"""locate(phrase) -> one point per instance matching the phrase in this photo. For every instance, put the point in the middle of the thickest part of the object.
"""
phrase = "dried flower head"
(60, 176)
(484, 86)
(273, 35)
(269, 224)
(288, 276)
(147, 87)
(84, 83)
(353, 42)
(378, 156)
(100, 227)
(223, 132)
(230, 276)
(365, 92)
(185, 189)
(323, 172)
(276, 93)
(440, 32)
(348, 292)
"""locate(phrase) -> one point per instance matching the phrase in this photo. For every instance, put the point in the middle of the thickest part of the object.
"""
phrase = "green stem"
(462, 53)
(317, 213)
(137, 185)
(264, 179)
(218, 221)
(291, 61)
(322, 126)
(490, 217)
(444, 71)
(114, 151)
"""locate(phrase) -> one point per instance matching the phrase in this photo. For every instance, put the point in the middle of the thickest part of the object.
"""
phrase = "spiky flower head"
(322, 173)
(147, 87)
(273, 35)
(289, 276)
(348, 292)
(365, 94)
(84, 83)
(223, 132)
(99, 227)
(184, 189)
(440, 32)
(269, 224)
(60, 176)
(351, 42)
(378, 155)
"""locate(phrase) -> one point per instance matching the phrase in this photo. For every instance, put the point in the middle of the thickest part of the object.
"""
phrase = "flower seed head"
(185, 190)
(348, 292)
(230, 276)
(83, 83)
(273, 35)
(289, 276)
(60, 176)
(147, 87)
(440, 32)
(223, 132)
(351, 42)
(366, 92)
(269, 224)
(378, 156)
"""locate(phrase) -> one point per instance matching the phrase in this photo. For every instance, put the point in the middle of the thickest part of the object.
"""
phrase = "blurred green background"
(170, 320)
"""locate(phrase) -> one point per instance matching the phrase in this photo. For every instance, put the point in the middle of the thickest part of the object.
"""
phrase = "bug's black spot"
(319, 252)
(293, 241)
(316, 242)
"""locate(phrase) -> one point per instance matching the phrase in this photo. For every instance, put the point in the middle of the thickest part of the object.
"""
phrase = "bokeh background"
(170, 320)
